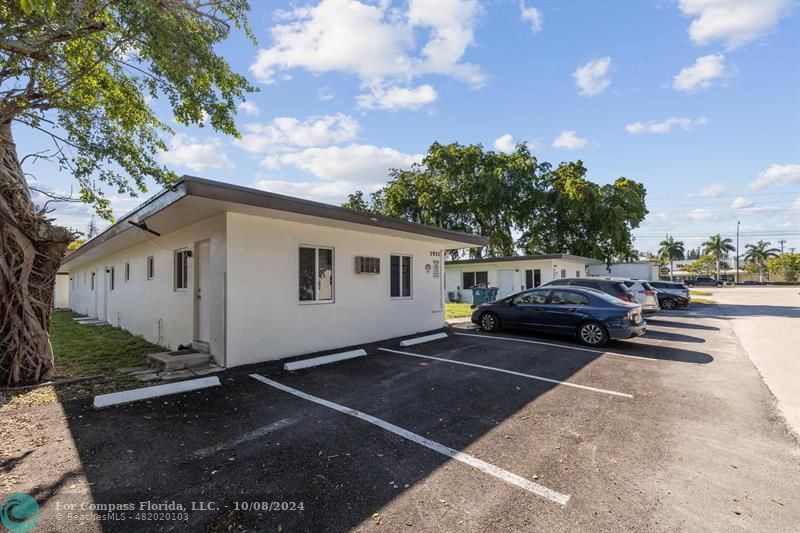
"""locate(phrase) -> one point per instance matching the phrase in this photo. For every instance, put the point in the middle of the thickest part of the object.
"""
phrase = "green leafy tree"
(570, 214)
(786, 265)
(464, 188)
(499, 195)
(669, 249)
(82, 72)
(356, 201)
(719, 248)
(758, 254)
(705, 265)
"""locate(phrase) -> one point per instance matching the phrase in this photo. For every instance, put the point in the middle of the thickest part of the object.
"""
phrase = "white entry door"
(202, 300)
(506, 283)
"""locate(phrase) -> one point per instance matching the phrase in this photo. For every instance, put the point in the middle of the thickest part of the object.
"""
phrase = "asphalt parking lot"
(674, 430)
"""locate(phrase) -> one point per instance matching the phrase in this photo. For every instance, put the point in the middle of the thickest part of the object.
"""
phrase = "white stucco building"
(646, 270)
(254, 276)
(510, 274)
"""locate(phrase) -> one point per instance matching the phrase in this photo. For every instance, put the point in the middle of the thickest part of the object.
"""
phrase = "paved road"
(767, 322)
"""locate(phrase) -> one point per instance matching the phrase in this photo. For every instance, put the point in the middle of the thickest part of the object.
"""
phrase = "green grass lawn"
(83, 351)
(456, 311)
(695, 295)
(89, 350)
(700, 293)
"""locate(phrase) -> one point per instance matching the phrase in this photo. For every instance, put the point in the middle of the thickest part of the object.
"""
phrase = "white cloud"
(593, 77)
(282, 133)
(333, 192)
(712, 191)
(701, 214)
(532, 16)
(701, 75)
(250, 108)
(356, 163)
(741, 203)
(665, 126)
(395, 98)
(569, 140)
(505, 143)
(185, 151)
(734, 22)
(777, 175)
(374, 41)
(325, 94)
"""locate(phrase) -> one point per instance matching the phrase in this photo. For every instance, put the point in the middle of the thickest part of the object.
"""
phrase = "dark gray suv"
(617, 289)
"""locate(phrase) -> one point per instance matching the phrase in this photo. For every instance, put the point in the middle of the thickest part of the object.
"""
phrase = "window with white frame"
(471, 279)
(127, 272)
(151, 267)
(111, 279)
(400, 276)
(91, 287)
(563, 273)
(181, 269)
(315, 274)
(577, 273)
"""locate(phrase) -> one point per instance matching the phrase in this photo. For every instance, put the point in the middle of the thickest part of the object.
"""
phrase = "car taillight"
(648, 293)
(625, 298)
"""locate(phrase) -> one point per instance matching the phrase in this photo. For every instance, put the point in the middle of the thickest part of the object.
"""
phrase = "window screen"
(400, 276)
(181, 269)
(315, 269)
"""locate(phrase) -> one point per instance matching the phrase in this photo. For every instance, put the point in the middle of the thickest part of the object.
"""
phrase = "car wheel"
(592, 334)
(719, 285)
(668, 303)
(690, 285)
(490, 322)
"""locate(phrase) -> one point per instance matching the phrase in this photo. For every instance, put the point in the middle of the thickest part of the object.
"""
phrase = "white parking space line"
(251, 435)
(466, 458)
(512, 372)
(567, 346)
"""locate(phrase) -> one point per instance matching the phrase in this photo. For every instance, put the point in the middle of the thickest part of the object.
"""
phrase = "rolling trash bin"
(479, 295)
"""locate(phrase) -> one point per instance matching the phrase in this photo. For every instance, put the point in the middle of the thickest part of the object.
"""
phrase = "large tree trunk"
(31, 249)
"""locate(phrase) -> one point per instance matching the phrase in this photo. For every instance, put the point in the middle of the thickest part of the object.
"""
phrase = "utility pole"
(782, 242)
(738, 223)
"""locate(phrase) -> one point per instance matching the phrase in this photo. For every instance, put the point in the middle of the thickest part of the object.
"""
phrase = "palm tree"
(671, 249)
(717, 246)
(758, 253)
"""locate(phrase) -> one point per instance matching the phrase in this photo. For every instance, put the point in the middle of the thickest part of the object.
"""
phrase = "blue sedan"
(592, 316)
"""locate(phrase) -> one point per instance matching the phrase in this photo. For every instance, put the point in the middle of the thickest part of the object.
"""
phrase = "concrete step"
(201, 346)
(169, 362)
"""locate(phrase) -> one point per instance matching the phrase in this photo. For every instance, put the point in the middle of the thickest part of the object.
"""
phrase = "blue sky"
(698, 100)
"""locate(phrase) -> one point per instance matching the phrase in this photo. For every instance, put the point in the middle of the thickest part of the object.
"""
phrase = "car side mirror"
(510, 303)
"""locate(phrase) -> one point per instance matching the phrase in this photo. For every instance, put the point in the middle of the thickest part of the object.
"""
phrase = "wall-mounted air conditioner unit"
(368, 265)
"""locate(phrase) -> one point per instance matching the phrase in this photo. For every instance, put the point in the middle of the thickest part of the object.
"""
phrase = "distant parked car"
(751, 282)
(704, 281)
(671, 301)
(592, 316)
(644, 294)
(671, 287)
(613, 287)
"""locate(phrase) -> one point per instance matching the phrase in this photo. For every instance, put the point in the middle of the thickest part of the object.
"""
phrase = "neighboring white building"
(510, 274)
(255, 276)
(646, 270)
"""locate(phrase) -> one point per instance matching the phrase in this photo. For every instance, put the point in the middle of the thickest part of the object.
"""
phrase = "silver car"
(645, 295)
(671, 287)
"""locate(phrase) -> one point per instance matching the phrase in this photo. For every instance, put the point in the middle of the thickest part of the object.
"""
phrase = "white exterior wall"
(61, 291)
(267, 321)
(551, 269)
(645, 271)
(153, 308)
